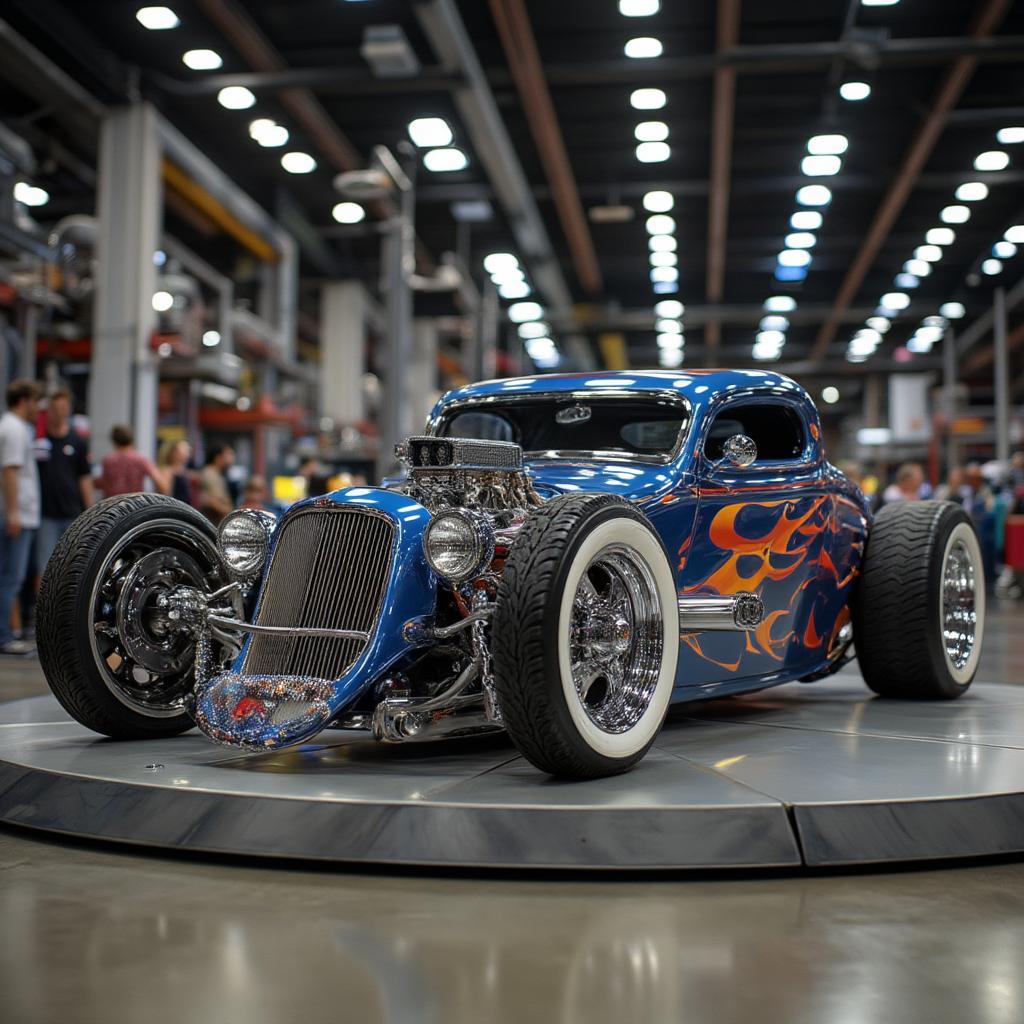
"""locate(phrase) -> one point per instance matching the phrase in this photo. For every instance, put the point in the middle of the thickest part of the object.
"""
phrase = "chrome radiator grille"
(329, 570)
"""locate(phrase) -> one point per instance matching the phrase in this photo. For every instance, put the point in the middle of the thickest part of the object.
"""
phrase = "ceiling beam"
(699, 187)
(723, 109)
(988, 18)
(862, 51)
(520, 47)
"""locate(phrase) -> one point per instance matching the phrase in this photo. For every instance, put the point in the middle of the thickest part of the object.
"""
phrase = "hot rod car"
(563, 558)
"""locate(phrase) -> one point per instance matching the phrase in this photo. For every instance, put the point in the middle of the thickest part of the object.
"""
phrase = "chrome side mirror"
(740, 451)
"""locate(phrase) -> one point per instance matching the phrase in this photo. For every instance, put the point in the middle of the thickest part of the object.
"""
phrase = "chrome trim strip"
(251, 627)
(731, 612)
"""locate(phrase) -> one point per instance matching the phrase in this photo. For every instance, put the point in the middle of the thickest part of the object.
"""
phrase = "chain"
(482, 650)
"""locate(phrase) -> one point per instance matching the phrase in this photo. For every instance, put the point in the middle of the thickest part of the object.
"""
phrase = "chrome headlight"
(243, 540)
(458, 544)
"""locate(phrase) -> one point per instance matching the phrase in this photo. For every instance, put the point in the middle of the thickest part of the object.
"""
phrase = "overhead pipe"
(520, 47)
(446, 32)
(723, 112)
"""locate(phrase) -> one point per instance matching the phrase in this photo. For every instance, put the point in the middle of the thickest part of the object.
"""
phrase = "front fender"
(248, 711)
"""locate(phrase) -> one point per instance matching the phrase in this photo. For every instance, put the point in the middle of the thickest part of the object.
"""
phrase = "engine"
(452, 472)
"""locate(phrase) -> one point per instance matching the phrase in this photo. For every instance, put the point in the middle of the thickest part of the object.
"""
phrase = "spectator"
(65, 476)
(256, 494)
(907, 485)
(19, 503)
(125, 470)
(214, 497)
(954, 487)
(173, 462)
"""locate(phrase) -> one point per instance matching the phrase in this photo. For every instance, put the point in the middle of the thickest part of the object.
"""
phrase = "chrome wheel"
(616, 639)
(145, 662)
(959, 605)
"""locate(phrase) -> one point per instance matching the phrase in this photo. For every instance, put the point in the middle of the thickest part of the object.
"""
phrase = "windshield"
(646, 429)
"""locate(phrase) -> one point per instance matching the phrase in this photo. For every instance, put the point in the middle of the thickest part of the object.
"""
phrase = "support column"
(1001, 374)
(423, 372)
(950, 395)
(342, 348)
(399, 264)
(124, 371)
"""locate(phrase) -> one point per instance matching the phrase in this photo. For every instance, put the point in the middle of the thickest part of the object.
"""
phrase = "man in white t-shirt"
(19, 502)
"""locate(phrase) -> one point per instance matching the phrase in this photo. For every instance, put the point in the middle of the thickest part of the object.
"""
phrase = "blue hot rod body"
(788, 527)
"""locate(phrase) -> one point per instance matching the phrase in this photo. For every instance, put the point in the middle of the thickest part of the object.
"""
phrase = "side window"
(776, 429)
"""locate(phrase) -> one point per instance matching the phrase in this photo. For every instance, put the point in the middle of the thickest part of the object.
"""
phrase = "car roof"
(699, 386)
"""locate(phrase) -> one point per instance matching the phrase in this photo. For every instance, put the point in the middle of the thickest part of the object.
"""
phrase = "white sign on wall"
(910, 417)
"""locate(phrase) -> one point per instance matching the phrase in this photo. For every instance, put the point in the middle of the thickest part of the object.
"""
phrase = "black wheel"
(919, 605)
(106, 648)
(585, 637)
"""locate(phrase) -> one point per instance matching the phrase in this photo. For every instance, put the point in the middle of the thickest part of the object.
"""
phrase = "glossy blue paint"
(792, 530)
(411, 592)
(809, 521)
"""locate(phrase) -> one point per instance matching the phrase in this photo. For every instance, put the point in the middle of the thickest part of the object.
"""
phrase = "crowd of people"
(48, 480)
(989, 494)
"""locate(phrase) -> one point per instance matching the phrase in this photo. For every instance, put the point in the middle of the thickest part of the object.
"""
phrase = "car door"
(758, 528)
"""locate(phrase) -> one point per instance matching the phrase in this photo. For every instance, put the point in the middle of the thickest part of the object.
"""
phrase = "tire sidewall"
(611, 524)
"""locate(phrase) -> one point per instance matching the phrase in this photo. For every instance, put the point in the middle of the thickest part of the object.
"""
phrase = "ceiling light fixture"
(1015, 234)
(972, 191)
(820, 166)
(660, 224)
(498, 262)
(991, 267)
(670, 259)
(669, 309)
(202, 60)
(658, 202)
(268, 133)
(1010, 136)
(955, 214)
(931, 253)
(643, 48)
(298, 162)
(647, 99)
(520, 312)
(895, 300)
(800, 240)
(662, 243)
(827, 145)
(794, 258)
(780, 304)
(992, 160)
(236, 97)
(953, 310)
(814, 195)
(830, 395)
(855, 91)
(639, 8)
(157, 19)
(30, 195)
(940, 236)
(653, 152)
(444, 161)
(806, 220)
(430, 132)
(651, 131)
(348, 213)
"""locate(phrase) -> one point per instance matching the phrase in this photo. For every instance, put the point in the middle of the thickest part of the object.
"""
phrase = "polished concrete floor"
(96, 934)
